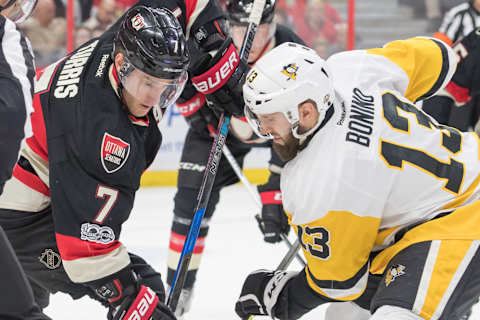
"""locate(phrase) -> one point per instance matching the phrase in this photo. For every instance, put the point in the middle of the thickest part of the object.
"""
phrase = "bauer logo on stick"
(114, 153)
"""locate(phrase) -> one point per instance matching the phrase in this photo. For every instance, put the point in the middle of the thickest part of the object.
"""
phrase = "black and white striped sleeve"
(16, 90)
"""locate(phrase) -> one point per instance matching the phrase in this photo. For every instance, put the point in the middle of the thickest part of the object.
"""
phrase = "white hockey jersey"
(380, 165)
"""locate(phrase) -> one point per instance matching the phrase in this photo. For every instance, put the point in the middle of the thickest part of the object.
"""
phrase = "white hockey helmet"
(283, 79)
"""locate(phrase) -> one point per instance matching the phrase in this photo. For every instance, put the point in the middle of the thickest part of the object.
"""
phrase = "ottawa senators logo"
(114, 153)
(138, 22)
(394, 272)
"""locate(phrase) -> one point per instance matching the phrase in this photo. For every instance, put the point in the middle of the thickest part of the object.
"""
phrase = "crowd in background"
(317, 22)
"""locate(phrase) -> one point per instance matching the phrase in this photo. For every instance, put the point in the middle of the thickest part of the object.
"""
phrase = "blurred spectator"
(281, 17)
(105, 14)
(459, 21)
(434, 14)
(294, 9)
(47, 33)
(125, 4)
(82, 35)
(320, 45)
(321, 19)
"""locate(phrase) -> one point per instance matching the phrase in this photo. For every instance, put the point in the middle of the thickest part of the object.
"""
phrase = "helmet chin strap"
(323, 117)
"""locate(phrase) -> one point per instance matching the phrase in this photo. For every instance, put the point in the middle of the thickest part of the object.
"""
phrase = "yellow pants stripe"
(446, 263)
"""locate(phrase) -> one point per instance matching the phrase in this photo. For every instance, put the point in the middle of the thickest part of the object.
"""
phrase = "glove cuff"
(274, 288)
(271, 197)
(192, 105)
(219, 73)
(115, 287)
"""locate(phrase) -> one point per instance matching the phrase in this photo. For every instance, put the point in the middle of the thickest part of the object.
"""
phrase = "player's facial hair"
(289, 150)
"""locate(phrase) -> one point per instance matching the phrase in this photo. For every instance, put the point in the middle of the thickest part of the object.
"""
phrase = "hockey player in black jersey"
(94, 133)
(457, 104)
(16, 82)
(202, 122)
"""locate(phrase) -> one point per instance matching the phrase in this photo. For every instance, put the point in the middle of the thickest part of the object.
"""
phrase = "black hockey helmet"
(153, 42)
(239, 10)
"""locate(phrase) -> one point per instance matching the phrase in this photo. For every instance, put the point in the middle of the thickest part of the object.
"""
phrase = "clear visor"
(255, 123)
(264, 33)
(152, 91)
(21, 10)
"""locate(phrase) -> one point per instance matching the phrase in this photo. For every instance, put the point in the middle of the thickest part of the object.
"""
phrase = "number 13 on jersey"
(396, 155)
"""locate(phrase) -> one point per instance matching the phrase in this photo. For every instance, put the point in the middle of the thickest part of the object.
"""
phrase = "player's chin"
(288, 148)
(141, 110)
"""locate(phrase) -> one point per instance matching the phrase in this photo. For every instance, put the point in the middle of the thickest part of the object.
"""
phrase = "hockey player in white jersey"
(384, 200)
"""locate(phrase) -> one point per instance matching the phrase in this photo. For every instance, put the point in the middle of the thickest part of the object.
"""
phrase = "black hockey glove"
(221, 78)
(260, 293)
(273, 221)
(128, 299)
(201, 118)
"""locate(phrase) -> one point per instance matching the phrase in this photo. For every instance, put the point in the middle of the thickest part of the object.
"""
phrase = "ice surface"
(234, 248)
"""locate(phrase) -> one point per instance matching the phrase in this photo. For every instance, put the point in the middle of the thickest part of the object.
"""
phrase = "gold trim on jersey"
(342, 294)
(422, 61)
(337, 248)
(478, 141)
(455, 226)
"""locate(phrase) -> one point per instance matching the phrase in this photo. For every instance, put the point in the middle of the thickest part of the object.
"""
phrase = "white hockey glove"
(260, 294)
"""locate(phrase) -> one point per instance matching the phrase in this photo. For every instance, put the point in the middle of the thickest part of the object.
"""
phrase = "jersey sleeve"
(428, 65)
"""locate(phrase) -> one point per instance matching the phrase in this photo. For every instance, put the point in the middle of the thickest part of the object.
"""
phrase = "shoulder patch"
(114, 153)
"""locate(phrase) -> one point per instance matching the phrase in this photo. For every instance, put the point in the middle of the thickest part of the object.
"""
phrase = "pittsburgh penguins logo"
(290, 71)
(394, 272)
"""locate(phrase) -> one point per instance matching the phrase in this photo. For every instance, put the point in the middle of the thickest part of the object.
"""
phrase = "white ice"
(234, 248)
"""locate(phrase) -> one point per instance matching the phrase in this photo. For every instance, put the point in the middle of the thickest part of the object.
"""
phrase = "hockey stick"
(256, 197)
(211, 170)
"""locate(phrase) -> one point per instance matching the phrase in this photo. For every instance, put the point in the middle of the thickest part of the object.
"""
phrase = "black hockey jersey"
(464, 85)
(466, 80)
(87, 153)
